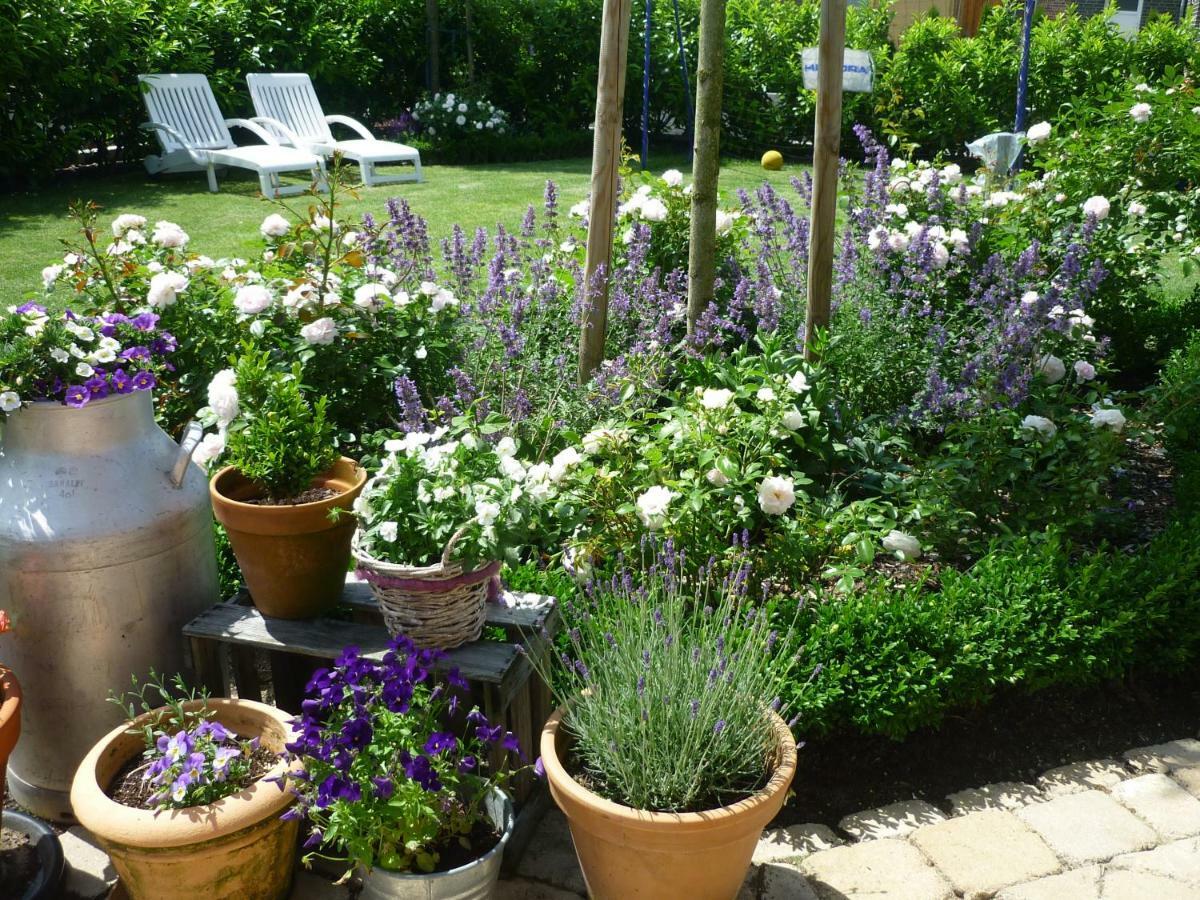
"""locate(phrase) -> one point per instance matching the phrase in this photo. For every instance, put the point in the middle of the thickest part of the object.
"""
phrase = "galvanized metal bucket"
(106, 551)
(474, 881)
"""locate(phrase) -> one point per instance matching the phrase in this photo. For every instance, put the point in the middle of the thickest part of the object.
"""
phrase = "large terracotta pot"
(628, 853)
(294, 558)
(235, 849)
(10, 719)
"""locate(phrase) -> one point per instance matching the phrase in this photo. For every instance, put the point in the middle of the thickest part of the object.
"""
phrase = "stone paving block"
(794, 841)
(985, 851)
(1165, 757)
(1002, 795)
(1074, 778)
(524, 889)
(784, 882)
(90, 872)
(551, 856)
(895, 820)
(881, 868)
(1079, 884)
(1160, 801)
(1179, 860)
(1189, 778)
(311, 886)
(1088, 827)
(1123, 885)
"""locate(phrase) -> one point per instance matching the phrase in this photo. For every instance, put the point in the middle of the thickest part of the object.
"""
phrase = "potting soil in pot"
(18, 863)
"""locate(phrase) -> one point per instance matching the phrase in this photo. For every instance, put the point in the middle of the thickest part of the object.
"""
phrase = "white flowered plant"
(447, 115)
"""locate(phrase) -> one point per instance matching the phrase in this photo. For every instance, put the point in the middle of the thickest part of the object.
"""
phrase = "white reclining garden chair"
(288, 105)
(195, 136)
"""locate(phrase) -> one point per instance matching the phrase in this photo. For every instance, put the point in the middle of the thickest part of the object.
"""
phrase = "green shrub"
(1178, 396)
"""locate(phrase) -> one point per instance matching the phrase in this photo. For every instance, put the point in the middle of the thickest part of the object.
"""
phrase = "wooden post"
(606, 160)
(469, 24)
(706, 160)
(431, 19)
(826, 143)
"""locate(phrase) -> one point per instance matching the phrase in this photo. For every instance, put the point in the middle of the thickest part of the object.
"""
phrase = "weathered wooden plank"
(487, 661)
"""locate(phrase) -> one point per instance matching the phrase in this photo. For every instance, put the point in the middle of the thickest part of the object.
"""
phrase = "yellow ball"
(772, 161)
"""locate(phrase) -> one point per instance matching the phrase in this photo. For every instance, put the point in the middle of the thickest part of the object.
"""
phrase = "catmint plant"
(668, 679)
(386, 780)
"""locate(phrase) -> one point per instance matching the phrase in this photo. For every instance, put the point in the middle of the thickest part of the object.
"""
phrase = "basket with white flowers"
(436, 521)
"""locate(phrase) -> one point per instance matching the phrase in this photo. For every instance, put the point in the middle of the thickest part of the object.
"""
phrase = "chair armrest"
(277, 129)
(257, 130)
(353, 125)
(198, 156)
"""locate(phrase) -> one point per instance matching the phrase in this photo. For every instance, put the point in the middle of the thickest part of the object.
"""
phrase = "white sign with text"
(858, 72)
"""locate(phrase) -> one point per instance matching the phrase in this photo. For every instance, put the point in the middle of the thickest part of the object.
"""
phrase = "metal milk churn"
(106, 551)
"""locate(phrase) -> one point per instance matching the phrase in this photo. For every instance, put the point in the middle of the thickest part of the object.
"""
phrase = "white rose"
(652, 505)
(765, 395)
(798, 383)
(252, 299)
(1108, 418)
(1041, 425)
(462, 107)
(579, 210)
(673, 177)
(210, 448)
(401, 298)
(1140, 113)
(512, 468)
(776, 494)
(1084, 370)
(654, 210)
(506, 446)
(322, 331)
(1096, 206)
(10, 401)
(125, 222)
(793, 420)
(715, 398)
(442, 299)
(421, 352)
(1136, 210)
(716, 477)
(939, 255)
(170, 235)
(725, 221)
(274, 226)
(563, 461)
(223, 396)
(1029, 299)
(428, 288)
(1051, 368)
(50, 275)
(164, 288)
(1038, 133)
(371, 297)
(907, 546)
(389, 531)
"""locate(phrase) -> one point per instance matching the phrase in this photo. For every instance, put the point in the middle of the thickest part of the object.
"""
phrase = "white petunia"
(1038, 133)
(903, 544)
(715, 398)
(1040, 425)
(59, 355)
(10, 401)
(652, 505)
(84, 370)
(274, 226)
(776, 495)
(1051, 368)
(322, 331)
(251, 299)
(486, 512)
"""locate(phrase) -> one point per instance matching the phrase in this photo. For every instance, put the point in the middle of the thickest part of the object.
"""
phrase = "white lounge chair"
(288, 105)
(195, 136)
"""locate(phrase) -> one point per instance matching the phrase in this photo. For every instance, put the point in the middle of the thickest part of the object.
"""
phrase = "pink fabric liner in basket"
(422, 585)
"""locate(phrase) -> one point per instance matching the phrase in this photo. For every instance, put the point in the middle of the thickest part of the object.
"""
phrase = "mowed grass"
(33, 225)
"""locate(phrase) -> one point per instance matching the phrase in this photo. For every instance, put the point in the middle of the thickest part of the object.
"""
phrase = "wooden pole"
(826, 144)
(469, 24)
(606, 160)
(706, 160)
(431, 19)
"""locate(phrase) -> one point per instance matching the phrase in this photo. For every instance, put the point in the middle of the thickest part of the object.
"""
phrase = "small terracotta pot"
(294, 558)
(10, 719)
(629, 853)
(235, 849)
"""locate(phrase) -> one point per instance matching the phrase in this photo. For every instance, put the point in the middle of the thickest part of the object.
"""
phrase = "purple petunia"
(143, 381)
(77, 396)
(97, 387)
(146, 321)
(120, 382)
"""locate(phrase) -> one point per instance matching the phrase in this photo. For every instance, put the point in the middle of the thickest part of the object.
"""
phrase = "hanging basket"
(438, 606)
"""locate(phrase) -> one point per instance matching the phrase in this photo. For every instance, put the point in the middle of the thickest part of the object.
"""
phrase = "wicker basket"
(438, 606)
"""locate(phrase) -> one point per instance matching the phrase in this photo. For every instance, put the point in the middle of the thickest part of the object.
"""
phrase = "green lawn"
(32, 225)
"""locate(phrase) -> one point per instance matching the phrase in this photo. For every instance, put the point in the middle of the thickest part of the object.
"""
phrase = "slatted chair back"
(291, 99)
(186, 104)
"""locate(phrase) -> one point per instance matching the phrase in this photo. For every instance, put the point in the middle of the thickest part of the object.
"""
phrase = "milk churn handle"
(192, 434)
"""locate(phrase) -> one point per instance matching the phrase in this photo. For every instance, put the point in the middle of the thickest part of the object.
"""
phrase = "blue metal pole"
(646, 91)
(687, 81)
(1023, 76)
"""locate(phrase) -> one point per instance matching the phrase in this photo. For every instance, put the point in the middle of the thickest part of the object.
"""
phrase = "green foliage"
(1177, 399)
(280, 441)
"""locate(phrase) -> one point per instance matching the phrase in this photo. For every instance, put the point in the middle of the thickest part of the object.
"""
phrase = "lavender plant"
(667, 679)
(191, 759)
(386, 783)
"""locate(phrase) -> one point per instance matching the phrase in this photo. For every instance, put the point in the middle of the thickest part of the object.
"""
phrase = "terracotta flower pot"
(10, 718)
(294, 558)
(629, 853)
(235, 849)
